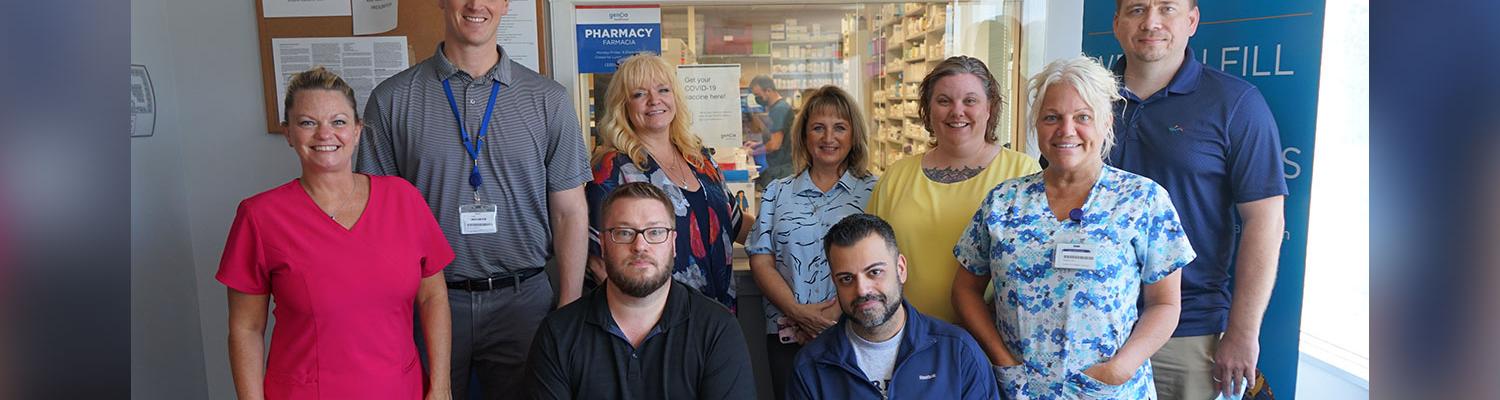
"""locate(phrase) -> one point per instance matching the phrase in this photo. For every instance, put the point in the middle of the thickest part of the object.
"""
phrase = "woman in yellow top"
(929, 198)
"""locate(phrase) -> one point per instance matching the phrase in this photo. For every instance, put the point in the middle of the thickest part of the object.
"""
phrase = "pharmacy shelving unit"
(908, 41)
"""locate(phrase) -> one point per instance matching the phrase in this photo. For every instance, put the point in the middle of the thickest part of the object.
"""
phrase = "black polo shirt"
(696, 351)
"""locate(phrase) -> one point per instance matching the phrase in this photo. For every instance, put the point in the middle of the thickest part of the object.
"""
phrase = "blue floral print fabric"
(1061, 321)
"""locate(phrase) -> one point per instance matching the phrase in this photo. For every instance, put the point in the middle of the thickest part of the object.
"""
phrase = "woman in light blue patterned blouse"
(831, 180)
(1071, 252)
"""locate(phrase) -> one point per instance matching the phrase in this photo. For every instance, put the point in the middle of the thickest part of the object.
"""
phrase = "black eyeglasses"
(655, 235)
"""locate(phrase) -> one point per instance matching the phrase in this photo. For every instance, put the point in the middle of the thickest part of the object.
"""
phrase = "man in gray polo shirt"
(496, 150)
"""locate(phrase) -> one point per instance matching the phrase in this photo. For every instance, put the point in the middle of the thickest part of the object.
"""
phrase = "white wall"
(1319, 380)
(166, 344)
(210, 151)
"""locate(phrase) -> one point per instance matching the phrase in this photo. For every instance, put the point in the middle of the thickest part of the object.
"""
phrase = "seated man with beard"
(882, 347)
(639, 336)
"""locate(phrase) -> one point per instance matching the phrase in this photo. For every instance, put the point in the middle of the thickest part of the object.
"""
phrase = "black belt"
(501, 282)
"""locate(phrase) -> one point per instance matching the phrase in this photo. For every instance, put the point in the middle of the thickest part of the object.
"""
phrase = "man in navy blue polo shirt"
(1210, 140)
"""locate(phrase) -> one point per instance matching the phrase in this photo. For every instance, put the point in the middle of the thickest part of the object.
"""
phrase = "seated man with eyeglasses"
(641, 335)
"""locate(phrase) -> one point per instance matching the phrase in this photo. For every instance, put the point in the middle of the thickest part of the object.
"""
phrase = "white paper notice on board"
(712, 92)
(374, 16)
(305, 8)
(363, 62)
(517, 34)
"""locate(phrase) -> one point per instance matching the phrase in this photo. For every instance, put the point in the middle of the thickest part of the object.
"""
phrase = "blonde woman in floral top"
(1071, 251)
(645, 137)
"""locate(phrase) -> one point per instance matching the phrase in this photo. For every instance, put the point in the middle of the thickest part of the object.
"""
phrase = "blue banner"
(607, 34)
(1277, 46)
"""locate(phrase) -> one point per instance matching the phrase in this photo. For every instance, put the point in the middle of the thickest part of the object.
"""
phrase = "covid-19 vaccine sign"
(607, 34)
(712, 92)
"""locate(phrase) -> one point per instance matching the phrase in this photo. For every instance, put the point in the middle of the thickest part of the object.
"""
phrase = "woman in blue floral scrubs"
(644, 137)
(1071, 252)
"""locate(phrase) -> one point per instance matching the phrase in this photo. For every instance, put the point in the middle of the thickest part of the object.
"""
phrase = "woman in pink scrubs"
(348, 258)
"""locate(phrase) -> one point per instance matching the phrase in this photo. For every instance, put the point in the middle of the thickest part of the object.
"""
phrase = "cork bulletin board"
(420, 21)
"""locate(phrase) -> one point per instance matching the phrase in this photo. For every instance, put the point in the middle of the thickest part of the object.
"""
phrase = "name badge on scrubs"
(477, 218)
(1074, 256)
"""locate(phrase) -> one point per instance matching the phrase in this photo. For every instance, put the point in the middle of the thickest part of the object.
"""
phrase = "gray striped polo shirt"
(533, 147)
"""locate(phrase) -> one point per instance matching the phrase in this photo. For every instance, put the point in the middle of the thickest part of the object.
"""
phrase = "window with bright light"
(1336, 305)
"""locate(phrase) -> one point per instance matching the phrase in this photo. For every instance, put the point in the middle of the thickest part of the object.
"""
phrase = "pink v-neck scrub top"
(344, 297)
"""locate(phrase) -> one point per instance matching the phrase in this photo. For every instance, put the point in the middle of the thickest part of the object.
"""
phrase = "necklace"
(674, 170)
(341, 205)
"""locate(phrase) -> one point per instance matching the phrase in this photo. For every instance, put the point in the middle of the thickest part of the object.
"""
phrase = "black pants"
(492, 333)
(780, 358)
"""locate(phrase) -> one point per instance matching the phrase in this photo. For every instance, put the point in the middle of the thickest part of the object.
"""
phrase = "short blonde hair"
(615, 131)
(318, 78)
(1095, 84)
(830, 100)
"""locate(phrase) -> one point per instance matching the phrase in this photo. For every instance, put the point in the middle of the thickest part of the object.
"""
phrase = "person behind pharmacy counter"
(1070, 252)
(777, 144)
(645, 137)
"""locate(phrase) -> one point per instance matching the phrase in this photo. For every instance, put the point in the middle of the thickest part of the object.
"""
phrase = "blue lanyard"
(473, 146)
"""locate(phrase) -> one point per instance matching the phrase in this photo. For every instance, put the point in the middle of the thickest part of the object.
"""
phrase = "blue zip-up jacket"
(937, 360)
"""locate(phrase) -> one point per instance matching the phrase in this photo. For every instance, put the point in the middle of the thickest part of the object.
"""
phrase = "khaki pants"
(1183, 368)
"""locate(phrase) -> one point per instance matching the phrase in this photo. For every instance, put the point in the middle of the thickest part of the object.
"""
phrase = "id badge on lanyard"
(479, 217)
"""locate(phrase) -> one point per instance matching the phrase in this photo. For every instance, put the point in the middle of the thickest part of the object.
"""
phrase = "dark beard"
(639, 287)
(869, 320)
